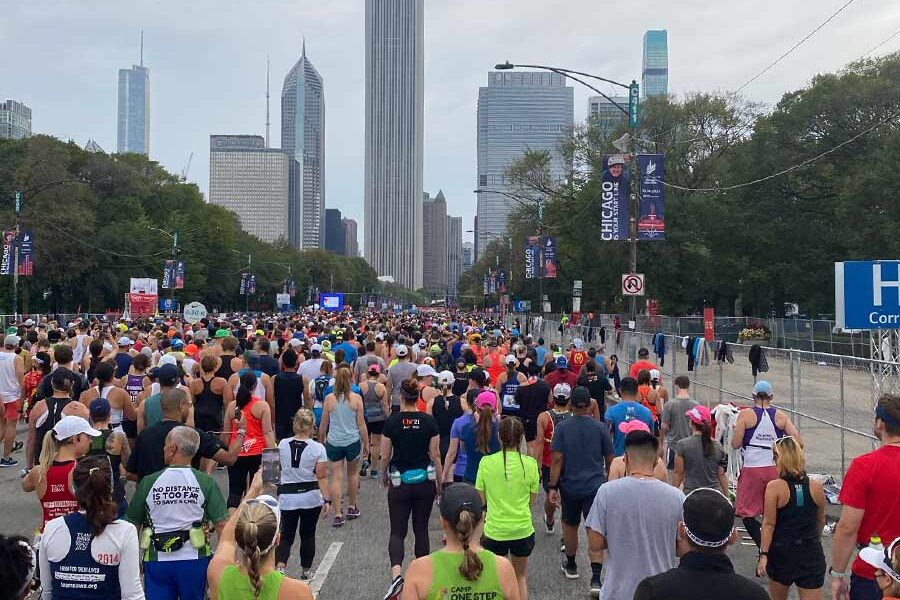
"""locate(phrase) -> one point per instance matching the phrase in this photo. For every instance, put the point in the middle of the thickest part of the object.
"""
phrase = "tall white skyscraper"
(303, 138)
(518, 110)
(133, 133)
(395, 114)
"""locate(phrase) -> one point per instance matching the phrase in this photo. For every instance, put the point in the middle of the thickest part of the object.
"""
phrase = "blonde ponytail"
(255, 522)
(48, 452)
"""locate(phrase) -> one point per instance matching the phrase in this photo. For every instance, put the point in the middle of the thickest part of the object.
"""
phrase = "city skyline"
(192, 97)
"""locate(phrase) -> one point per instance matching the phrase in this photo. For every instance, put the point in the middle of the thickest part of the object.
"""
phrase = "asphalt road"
(352, 562)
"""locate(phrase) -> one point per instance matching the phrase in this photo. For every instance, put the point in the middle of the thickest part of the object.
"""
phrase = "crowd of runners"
(128, 422)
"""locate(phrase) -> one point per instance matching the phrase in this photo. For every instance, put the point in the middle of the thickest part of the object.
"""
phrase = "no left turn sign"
(633, 284)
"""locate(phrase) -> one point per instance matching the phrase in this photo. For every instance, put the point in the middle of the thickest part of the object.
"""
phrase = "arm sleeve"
(209, 444)
(130, 565)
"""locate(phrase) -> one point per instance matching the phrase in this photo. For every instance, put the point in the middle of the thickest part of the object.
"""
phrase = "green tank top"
(235, 585)
(447, 582)
(153, 410)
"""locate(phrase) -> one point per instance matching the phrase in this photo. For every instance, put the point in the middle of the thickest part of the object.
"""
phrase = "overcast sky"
(207, 61)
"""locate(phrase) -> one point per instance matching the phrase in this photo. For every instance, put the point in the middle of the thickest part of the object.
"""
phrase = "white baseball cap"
(510, 359)
(425, 371)
(654, 373)
(168, 359)
(402, 350)
(446, 378)
(294, 342)
(70, 425)
(423, 342)
(316, 348)
(125, 341)
(562, 389)
(881, 559)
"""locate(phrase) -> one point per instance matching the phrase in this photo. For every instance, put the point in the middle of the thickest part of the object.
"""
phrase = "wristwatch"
(242, 432)
(835, 574)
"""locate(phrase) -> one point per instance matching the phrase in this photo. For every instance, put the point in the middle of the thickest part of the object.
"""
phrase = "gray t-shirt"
(700, 471)
(363, 363)
(639, 518)
(585, 444)
(397, 374)
(673, 417)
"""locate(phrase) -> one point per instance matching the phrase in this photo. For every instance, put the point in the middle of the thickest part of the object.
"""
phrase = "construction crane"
(184, 172)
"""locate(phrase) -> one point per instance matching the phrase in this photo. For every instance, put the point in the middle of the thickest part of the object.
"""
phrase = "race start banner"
(652, 224)
(614, 200)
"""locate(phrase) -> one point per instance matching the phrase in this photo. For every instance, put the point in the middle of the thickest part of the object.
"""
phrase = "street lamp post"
(174, 237)
(246, 291)
(632, 112)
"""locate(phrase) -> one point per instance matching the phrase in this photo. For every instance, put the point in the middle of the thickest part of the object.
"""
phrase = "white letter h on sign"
(878, 285)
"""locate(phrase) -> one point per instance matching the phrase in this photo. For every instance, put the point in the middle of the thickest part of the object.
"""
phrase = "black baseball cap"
(643, 353)
(708, 518)
(581, 397)
(167, 375)
(457, 498)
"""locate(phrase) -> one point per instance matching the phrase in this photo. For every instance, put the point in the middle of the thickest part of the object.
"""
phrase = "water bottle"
(146, 538)
(875, 543)
(431, 472)
(197, 535)
(395, 478)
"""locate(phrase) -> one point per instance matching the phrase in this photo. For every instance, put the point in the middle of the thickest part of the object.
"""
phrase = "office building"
(606, 116)
(351, 240)
(454, 255)
(468, 256)
(434, 248)
(334, 231)
(253, 182)
(134, 108)
(395, 81)
(655, 72)
(15, 120)
(518, 110)
(303, 138)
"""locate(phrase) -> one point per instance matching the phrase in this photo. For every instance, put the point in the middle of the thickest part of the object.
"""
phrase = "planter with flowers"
(754, 333)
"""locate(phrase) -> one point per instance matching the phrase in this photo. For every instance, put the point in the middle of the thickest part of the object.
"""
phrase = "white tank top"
(9, 385)
(78, 350)
(758, 453)
(259, 391)
(116, 415)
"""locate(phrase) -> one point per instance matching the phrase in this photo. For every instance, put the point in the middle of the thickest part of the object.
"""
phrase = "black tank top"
(224, 371)
(98, 448)
(209, 407)
(55, 407)
(288, 388)
(445, 411)
(797, 520)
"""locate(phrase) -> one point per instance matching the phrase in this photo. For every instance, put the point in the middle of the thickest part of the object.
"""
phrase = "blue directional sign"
(521, 306)
(332, 301)
(867, 294)
(166, 304)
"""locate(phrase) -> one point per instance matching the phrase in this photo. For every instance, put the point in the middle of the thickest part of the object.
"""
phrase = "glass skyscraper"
(303, 138)
(134, 110)
(655, 81)
(518, 110)
(15, 120)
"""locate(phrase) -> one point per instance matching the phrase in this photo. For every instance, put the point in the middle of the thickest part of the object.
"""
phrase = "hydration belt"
(298, 488)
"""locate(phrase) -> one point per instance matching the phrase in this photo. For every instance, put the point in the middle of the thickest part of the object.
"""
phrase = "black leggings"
(306, 518)
(240, 474)
(414, 499)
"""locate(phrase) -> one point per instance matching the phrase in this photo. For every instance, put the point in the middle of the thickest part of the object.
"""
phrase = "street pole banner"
(245, 277)
(251, 284)
(550, 265)
(9, 246)
(614, 204)
(26, 253)
(487, 284)
(709, 324)
(651, 224)
(532, 252)
(179, 275)
(501, 281)
(168, 281)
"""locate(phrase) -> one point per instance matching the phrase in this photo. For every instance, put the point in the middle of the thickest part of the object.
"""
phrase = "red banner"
(143, 305)
(709, 324)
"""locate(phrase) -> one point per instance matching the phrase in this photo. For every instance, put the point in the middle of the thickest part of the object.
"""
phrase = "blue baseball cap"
(561, 362)
(763, 388)
(177, 343)
(100, 409)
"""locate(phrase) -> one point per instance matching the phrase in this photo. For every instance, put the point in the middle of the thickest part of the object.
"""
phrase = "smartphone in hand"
(271, 466)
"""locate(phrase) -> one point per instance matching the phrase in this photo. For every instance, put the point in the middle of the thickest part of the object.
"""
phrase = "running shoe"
(17, 446)
(364, 468)
(562, 545)
(595, 586)
(306, 574)
(549, 525)
(338, 521)
(281, 569)
(569, 570)
(8, 462)
(373, 474)
(352, 513)
(395, 589)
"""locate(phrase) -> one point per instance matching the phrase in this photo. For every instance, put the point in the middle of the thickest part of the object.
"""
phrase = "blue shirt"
(626, 411)
(541, 355)
(473, 454)
(350, 352)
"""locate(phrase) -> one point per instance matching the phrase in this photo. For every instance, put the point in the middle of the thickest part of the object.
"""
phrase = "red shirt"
(255, 440)
(640, 366)
(577, 359)
(871, 485)
(59, 499)
(561, 376)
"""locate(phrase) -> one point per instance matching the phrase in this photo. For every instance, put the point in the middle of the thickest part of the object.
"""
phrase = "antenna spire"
(267, 101)
(142, 47)
(303, 48)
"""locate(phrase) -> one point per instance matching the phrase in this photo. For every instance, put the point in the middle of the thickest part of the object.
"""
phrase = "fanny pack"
(298, 488)
(414, 476)
(171, 541)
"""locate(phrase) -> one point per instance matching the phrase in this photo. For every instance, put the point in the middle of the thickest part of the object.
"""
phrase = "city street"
(353, 559)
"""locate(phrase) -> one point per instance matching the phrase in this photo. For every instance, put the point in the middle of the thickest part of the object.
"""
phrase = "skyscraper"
(395, 78)
(252, 181)
(15, 120)
(134, 108)
(605, 115)
(518, 110)
(655, 78)
(303, 138)
(434, 232)
(468, 256)
(334, 231)
(351, 237)
(454, 254)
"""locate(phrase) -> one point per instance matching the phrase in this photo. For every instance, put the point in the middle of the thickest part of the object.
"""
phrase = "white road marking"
(324, 567)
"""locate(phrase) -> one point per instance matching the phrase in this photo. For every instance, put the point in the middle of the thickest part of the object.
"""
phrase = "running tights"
(305, 520)
(240, 474)
(414, 499)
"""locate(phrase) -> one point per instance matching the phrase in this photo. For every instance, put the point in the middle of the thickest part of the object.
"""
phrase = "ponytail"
(706, 437)
(49, 448)
(511, 432)
(245, 389)
(471, 566)
(93, 490)
(256, 526)
(485, 429)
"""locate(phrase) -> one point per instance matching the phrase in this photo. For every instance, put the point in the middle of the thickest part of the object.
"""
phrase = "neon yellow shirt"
(507, 492)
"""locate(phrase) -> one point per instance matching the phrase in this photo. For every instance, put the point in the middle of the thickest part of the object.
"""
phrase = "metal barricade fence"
(828, 396)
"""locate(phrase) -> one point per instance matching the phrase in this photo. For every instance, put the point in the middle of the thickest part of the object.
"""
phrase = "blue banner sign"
(614, 199)
(867, 294)
(332, 301)
(532, 257)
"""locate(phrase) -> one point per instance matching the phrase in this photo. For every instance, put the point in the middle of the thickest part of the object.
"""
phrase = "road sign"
(521, 306)
(867, 294)
(18, 202)
(634, 104)
(167, 304)
(193, 312)
(576, 304)
(632, 284)
(577, 288)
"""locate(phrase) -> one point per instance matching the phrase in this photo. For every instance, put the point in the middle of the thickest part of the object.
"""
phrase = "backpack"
(320, 384)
